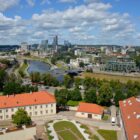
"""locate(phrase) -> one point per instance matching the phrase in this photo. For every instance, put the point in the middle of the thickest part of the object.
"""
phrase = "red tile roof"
(90, 108)
(26, 99)
(130, 112)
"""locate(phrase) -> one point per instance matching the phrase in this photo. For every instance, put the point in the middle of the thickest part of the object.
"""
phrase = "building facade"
(36, 104)
(88, 110)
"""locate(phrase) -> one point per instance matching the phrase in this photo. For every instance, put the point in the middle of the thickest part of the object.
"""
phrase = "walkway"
(92, 129)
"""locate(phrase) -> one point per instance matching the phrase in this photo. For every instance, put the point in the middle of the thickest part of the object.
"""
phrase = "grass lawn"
(108, 134)
(92, 136)
(73, 103)
(106, 117)
(101, 76)
(67, 131)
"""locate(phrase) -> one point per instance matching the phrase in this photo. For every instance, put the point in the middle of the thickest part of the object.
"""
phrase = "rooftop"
(26, 99)
(90, 108)
(130, 111)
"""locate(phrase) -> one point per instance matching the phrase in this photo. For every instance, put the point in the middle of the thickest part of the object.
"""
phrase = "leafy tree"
(75, 95)
(105, 94)
(119, 95)
(21, 118)
(62, 96)
(12, 88)
(68, 81)
(78, 81)
(2, 78)
(35, 77)
(50, 80)
(81, 64)
(90, 96)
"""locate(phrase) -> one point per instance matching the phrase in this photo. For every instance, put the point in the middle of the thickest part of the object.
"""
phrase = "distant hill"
(8, 47)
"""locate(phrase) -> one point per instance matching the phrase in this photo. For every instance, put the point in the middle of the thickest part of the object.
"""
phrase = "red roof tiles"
(26, 99)
(130, 111)
(90, 108)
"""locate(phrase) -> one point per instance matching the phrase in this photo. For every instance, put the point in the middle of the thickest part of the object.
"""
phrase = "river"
(42, 67)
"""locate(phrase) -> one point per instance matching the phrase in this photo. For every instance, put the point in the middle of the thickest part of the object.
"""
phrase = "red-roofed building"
(35, 103)
(130, 118)
(89, 110)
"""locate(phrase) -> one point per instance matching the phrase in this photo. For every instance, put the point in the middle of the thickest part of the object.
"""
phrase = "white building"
(24, 47)
(75, 62)
(36, 104)
(89, 110)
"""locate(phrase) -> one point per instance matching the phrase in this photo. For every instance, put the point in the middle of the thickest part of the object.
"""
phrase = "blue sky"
(79, 21)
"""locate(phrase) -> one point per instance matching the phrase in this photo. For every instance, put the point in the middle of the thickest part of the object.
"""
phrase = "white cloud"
(6, 4)
(68, 1)
(31, 2)
(45, 2)
(87, 23)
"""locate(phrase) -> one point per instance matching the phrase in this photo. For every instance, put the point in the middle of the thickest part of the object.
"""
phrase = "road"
(71, 115)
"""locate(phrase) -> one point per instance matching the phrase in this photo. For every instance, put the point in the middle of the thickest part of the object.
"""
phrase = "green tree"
(81, 64)
(78, 81)
(105, 94)
(12, 88)
(49, 80)
(68, 81)
(62, 96)
(75, 95)
(3, 75)
(35, 77)
(119, 95)
(21, 118)
(90, 96)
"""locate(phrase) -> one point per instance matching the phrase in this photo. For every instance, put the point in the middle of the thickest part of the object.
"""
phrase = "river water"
(38, 66)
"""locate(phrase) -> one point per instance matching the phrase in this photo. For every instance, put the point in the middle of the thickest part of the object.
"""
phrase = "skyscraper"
(55, 43)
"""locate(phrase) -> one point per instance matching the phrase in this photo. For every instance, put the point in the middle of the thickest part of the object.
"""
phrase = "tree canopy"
(21, 118)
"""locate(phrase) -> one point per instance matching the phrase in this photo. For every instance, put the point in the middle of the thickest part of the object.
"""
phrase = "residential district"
(52, 91)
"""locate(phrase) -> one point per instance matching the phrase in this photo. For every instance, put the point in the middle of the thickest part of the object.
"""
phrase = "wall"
(85, 115)
(25, 134)
(35, 110)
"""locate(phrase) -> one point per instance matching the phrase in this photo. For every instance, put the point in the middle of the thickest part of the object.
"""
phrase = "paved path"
(95, 123)
(92, 129)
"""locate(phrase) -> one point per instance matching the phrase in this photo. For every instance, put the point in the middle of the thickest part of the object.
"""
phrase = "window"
(24, 108)
(36, 113)
(1, 117)
(51, 105)
(40, 112)
(30, 113)
(6, 110)
(47, 111)
(30, 107)
(0, 111)
(82, 113)
(46, 106)
(12, 109)
(41, 106)
(35, 107)
(7, 116)
(51, 111)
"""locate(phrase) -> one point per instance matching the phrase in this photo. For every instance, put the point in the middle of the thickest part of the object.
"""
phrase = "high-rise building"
(24, 46)
(55, 43)
(44, 45)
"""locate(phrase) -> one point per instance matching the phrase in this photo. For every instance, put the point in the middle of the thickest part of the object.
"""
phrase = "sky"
(78, 21)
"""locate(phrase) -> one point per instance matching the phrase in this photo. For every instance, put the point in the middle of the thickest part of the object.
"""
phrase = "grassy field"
(108, 134)
(123, 79)
(23, 69)
(67, 131)
(87, 130)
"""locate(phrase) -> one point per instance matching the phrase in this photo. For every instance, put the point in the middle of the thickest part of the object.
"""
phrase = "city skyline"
(79, 21)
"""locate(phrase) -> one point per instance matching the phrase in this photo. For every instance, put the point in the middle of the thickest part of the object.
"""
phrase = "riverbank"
(22, 70)
(45, 60)
(109, 77)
